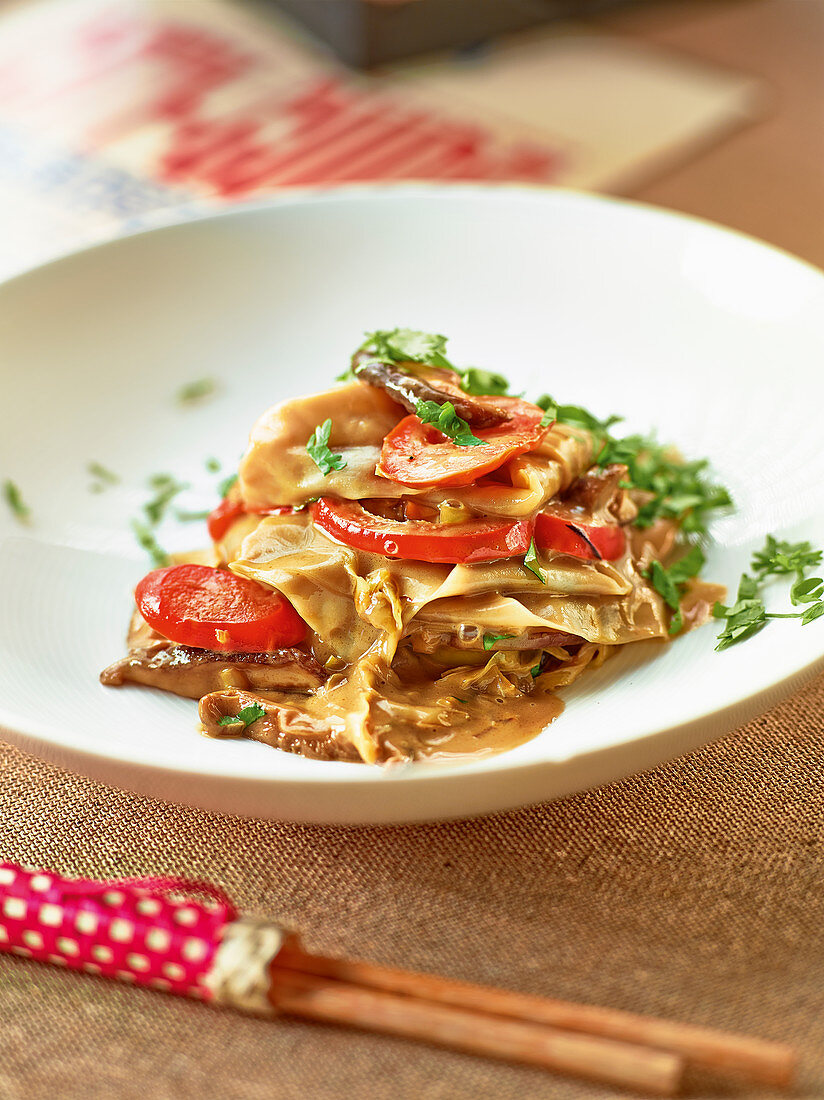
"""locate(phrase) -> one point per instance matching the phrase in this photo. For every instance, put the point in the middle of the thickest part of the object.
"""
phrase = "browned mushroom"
(408, 389)
(192, 673)
(282, 726)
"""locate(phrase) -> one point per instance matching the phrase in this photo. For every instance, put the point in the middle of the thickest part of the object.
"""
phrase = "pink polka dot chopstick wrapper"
(177, 936)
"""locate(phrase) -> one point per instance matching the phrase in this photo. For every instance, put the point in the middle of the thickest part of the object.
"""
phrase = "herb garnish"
(491, 639)
(479, 382)
(748, 615)
(446, 420)
(212, 465)
(246, 716)
(166, 489)
(671, 583)
(226, 484)
(191, 517)
(535, 671)
(196, 391)
(14, 499)
(678, 490)
(146, 538)
(318, 450)
(401, 345)
(531, 561)
(103, 477)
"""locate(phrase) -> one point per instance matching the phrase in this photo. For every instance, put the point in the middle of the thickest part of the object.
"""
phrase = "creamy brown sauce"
(408, 717)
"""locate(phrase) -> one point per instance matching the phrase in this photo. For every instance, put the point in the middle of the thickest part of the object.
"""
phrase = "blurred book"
(116, 114)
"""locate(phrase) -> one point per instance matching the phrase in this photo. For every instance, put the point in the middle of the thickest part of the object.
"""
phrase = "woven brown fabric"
(693, 892)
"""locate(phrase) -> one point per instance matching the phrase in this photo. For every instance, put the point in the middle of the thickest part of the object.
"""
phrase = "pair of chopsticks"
(635, 1052)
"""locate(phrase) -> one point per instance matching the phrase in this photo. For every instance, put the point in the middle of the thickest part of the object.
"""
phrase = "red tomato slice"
(208, 608)
(418, 455)
(221, 518)
(482, 540)
(553, 532)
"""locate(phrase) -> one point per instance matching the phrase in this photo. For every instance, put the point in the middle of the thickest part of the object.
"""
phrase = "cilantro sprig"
(671, 583)
(677, 490)
(532, 562)
(244, 717)
(778, 558)
(196, 391)
(491, 639)
(318, 450)
(483, 382)
(446, 420)
(14, 498)
(400, 345)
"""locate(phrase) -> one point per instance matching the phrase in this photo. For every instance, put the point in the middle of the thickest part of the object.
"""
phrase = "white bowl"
(713, 339)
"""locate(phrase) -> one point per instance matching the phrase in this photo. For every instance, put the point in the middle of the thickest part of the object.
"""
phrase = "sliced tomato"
(208, 608)
(481, 540)
(418, 455)
(221, 518)
(559, 532)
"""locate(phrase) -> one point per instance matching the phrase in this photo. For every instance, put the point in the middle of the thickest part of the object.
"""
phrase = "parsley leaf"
(212, 465)
(103, 477)
(491, 639)
(535, 671)
(446, 420)
(407, 345)
(246, 716)
(166, 489)
(577, 416)
(777, 558)
(478, 382)
(14, 499)
(531, 561)
(318, 450)
(196, 391)
(146, 538)
(670, 583)
(677, 490)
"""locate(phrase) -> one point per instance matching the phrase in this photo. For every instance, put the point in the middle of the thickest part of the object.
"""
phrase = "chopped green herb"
(777, 558)
(103, 476)
(196, 391)
(226, 484)
(346, 376)
(212, 465)
(491, 639)
(677, 490)
(670, 583)
(446, 420)
(318, 450)
(576, 416)
(532, 562)
(244, 717)
(191, 517)
(407, 345)
(146, 539)
(14, 499)
(166, 488)
(546, 419)
(478, 382)
(535, 671)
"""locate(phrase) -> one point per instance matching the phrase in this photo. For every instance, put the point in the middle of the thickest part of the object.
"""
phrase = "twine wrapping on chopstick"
(176, 935)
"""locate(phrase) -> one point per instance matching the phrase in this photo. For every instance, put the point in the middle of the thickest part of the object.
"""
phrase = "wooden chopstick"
(607, 1061)
(756, 1060)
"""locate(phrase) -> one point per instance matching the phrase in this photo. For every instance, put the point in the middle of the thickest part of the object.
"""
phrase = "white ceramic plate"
(711, 337)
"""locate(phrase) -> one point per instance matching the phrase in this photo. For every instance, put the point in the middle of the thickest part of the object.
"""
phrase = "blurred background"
(115, 114)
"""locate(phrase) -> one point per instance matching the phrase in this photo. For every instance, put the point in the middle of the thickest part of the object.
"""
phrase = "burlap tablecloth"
(693, 891)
